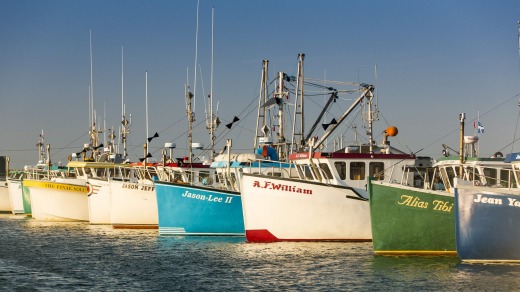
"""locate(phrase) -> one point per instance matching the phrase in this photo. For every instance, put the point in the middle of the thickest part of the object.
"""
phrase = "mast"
(262, 108)
(212, 122)
(281, 123)
(196, 54)
(91, 88)
(462, 117)
(146, 98)
(298, 108)
(191, 119)
(124, 122)
(41, 148)
(370, 119)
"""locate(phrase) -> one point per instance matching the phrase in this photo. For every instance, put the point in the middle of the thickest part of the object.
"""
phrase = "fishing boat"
(133, 202)
(328, 201)
(5, 202)
(210, 208)
(14, 184)
(61, 193)
(214, 207)
(414, 214)
(486, 217)
(20, 196)
(99, 197)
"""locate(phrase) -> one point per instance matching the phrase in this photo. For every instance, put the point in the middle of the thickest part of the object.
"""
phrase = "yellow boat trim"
(416, 252)
(55, 186)
(94, 164)
(492, 261)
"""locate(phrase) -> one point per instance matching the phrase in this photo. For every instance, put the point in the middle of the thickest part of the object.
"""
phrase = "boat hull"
(5, 202)
(27, 209)
(486, 224)
(16, 195)
(407, 220)
(99, 201)
(278, 209)
(133, 205)
(189, 210)
(58, 201)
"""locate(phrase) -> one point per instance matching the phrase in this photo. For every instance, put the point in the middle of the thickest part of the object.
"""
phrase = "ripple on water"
(78, 256)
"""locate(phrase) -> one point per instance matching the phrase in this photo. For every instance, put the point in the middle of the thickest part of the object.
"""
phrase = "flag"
(480, 128)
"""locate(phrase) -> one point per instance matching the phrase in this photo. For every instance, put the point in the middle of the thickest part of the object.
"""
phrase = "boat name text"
(281, 187)
(66, 188)
(209, 198)
(138, 187)
(496, 201)
(416, 202)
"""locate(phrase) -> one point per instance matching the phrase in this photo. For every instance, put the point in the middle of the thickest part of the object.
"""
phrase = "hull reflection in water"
(69, 256)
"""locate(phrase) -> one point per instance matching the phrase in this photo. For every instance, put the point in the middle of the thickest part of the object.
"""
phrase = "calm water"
(54, 256)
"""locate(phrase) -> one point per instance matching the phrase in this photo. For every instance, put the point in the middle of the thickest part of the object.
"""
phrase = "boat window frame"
(357, 170)
(341, 169)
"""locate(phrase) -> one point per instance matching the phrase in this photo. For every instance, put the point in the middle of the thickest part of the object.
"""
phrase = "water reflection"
(68, 256)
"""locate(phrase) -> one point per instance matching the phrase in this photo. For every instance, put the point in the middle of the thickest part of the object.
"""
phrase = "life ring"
(90, 189)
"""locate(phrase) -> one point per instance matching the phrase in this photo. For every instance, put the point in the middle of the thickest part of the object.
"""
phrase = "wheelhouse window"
(326, 170)
(472, 174)
(507, 178)
(189, 176)
(377, 170)
(491, 176)
(203, 176)
(357, 170)
(275, 174)
(448, 174)
(341, 168)
(306, 171)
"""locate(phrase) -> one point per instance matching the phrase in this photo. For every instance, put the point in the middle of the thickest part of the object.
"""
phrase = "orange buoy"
(391, 131)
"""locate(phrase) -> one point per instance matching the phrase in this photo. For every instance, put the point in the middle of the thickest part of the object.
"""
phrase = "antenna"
(104, 123)
(124, 122)
(516, 128)
(146, 98)
(91, 91)
(212, 123)
(196, 52)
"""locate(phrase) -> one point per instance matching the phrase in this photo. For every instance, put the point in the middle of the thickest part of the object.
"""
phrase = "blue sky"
(435, 59)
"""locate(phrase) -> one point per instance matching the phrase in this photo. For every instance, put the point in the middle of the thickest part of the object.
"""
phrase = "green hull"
(408, 220)
(26, 201)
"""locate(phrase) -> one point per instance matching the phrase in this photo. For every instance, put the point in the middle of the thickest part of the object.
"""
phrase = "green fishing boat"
(414, 215)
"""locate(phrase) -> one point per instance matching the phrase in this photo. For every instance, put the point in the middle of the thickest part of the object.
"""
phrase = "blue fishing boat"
(210, 206)
(193, 210)
(486, 219)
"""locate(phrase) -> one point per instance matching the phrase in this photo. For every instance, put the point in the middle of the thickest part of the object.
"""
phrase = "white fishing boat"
(133, 203)
(61, 193)
(58, 197)
(5, 202)
(14, 184)
(329, 200)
